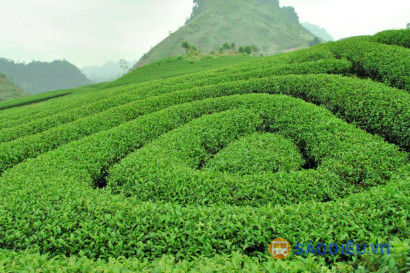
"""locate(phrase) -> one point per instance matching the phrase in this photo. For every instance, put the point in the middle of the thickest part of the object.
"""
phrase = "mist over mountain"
(318, 31)
(263, 23)
(108, 72)
(38, 77)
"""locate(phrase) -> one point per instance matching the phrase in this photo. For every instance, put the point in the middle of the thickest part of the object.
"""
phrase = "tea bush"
(393, 37)
(200, 172)
(385, 63)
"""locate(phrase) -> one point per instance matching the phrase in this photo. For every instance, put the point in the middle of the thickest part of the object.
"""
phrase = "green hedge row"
(129, 94)
(48, 203)
(300, 56)
(67, 116)
(312, 54)
(399, 37)
(23, 127)
(183, 82)
(26, 262)
(41, 124)
(78, 98)
(267, 68)
(168, 168)
(372, 106)
(32, 99)
(385, 63)
(26, 113)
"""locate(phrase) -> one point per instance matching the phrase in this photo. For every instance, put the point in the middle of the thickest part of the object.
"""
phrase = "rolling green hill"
(182, 64)
(8, 90)
(213, 22)
(199, 171)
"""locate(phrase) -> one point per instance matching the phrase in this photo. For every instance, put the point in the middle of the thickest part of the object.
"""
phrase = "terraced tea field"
(199, 172)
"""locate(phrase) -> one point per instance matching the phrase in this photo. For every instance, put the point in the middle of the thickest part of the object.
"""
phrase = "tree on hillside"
(245, 49)
(408, 25)
(192, 48)
(188, 47)
(227, 47)
(124, 65)
(315, 41)
(185, 45)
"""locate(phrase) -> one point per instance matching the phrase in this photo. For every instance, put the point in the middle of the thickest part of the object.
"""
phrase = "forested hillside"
(38, 77)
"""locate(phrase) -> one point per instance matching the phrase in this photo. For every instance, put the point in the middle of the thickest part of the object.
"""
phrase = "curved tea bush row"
(300, 56)
(32, 99)
(264, 69)
(27, 262)
(312, 54)
(400, 37)
(42, 124)
(46, 123)
(49, 204)
(167, 168)
(79, 97)
(75, 100)
(397, 261)
(186, 81)
(19, 130)
(374, 107)
(27, 113)
(43, 97)
(88, 96)
(385, 63)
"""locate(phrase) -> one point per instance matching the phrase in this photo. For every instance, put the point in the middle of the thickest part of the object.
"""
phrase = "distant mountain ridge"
(318, 31)
(273, 29)
(38, 77)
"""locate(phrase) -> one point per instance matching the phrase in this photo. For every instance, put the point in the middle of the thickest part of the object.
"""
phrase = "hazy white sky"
(344, 18)
(92, 32)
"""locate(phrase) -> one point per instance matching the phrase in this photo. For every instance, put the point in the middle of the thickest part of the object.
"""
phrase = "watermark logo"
(350, 248)
(279, 248)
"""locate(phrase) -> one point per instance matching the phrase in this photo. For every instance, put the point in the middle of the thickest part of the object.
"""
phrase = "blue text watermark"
(341, 249)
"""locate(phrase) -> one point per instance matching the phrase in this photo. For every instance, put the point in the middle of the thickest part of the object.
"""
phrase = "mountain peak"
(244, 22)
